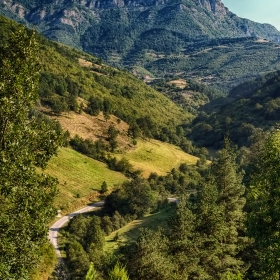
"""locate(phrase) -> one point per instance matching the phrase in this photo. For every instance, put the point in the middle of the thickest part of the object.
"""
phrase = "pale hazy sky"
(263, 11)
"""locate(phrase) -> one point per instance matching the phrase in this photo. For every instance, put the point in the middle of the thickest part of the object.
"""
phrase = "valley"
(131, 103)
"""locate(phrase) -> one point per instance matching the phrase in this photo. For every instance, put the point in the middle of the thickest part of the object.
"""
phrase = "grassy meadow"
(155, 156)
(80, 178)
(131, 231)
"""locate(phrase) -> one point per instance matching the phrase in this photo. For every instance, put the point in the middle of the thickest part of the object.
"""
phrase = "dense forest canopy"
(223, 226)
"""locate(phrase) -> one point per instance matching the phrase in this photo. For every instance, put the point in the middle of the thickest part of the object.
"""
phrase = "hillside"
(68, 74)
(196, 39)
(80, 179)
(249, 108)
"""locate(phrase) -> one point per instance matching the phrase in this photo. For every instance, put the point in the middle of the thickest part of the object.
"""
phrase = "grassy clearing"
(131, 231)
(180, 83)
(79, 178)
(92, 127)
(155, 156)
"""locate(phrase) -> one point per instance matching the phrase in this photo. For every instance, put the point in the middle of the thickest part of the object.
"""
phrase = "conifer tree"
(264, 221)
(147, 258)
(92, 273)
(228, 181)
(119, 272)
(209, 232)
(182, 246)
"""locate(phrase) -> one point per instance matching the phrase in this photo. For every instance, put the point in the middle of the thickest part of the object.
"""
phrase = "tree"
(207, 235)
(228, 182)
(263, 221)
(92, 273)
(104, 188)
(94, 240)
(112, 136)
(77, 259)
(26, 142)
(147, 258)
(119, 272)
(182, 246)
(133, 198)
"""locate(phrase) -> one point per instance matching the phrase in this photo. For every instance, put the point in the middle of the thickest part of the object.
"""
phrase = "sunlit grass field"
(80, 177)
(131, 231)
(155, 156)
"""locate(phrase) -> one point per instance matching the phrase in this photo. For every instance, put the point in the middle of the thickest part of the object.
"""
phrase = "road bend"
(54, 229)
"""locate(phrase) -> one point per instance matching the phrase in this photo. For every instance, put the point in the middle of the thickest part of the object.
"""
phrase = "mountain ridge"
(78, 14)
(149, 37)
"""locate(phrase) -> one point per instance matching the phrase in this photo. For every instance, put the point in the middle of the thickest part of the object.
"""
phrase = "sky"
(263, 11)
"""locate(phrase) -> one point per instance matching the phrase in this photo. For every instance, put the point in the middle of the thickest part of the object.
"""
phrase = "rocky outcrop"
(106, 4)
(215, 6)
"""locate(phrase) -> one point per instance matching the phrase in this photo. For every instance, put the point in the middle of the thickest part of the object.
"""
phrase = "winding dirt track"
(54, 229)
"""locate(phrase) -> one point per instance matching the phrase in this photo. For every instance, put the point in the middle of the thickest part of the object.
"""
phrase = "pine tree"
(119, 272)
(263, 221)
(147, 258)
(92, 273)
(209, 232)
(228, 181)
(182, 240)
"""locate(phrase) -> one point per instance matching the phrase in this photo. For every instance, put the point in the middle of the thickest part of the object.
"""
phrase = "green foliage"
(92, 273)
(249, 107)
(27, 141)
(207, 232)
(104, 188)
(112, 136)
(134, 198)
(118, 272)
(147, 258)
(78, 260)
(96, 150)
(231, 276)
(263, 221)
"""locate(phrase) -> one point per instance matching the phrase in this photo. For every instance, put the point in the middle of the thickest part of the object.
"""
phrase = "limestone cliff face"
(216, 6)
(105, 4)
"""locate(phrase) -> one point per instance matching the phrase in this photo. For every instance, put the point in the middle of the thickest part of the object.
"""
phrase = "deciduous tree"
(26, 142)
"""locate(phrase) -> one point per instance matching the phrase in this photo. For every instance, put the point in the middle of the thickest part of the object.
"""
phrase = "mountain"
(72, 80)
(149, 37)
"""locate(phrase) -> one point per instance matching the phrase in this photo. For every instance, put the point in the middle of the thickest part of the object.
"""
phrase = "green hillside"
(68, 73)
(80, 179)
(155, 156)
(251, 107)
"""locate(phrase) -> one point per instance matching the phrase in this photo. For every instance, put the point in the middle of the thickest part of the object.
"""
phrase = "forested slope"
(249, 108)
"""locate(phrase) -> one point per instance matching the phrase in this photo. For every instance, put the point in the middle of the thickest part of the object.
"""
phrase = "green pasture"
(155, 156)
(80, 178)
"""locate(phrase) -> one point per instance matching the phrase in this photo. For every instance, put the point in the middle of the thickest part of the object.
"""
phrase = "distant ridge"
(144, 36)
